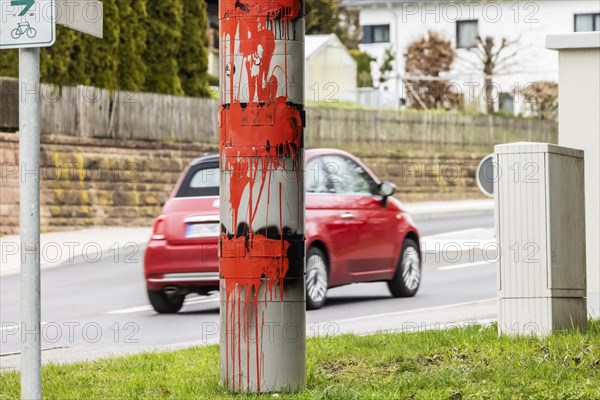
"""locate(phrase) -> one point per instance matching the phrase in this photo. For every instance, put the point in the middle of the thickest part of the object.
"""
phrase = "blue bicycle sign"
(29, 23)
(23, 29)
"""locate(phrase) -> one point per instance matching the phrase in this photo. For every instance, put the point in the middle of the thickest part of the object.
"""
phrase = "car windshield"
(200, 181)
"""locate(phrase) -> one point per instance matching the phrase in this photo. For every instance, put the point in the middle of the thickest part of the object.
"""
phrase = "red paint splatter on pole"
(261, 144)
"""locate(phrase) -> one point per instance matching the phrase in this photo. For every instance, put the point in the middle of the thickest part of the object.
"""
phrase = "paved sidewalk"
(452, 209)
(64, 248)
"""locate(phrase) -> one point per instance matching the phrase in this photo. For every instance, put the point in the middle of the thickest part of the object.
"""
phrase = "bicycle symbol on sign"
(23, 29)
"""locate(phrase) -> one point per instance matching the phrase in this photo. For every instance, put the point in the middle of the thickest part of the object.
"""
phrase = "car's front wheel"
(165, 304)
(407, 279)
(316, 278)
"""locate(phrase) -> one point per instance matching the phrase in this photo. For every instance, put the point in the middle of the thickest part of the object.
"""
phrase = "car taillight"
(158, 231)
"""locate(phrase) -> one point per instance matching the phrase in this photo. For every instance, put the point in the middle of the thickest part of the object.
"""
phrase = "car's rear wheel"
(316, 278)
(407, 279)
(165, 304)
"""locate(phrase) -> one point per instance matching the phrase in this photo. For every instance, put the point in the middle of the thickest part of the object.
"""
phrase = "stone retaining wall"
(105, 182)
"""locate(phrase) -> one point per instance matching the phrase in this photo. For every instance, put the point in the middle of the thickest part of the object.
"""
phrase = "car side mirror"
(387, 189)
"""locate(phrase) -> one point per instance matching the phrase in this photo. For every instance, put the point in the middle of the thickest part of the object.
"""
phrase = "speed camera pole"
(261, 246)
(29, 156)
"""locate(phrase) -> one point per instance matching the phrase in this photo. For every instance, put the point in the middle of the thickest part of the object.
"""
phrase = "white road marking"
(460, 241)
(465, 265)
(457, 233)
(195, 300)
(416, 310)
(130, 310)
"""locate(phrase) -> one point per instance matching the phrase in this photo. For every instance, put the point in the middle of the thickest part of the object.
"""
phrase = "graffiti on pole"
(262, 195)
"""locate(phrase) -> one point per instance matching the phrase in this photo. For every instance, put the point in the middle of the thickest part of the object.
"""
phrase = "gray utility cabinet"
(540, 228)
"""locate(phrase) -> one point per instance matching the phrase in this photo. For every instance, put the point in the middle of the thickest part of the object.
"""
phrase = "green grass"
(466, 363)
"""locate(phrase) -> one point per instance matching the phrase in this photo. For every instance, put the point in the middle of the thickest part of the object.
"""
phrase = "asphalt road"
(104, 305)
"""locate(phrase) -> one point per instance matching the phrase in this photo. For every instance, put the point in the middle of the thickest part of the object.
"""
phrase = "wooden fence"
(99, 113)
(9, 104)
(91, 112)
(417, 130)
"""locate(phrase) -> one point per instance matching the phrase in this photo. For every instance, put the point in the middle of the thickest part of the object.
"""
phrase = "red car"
(355, 232)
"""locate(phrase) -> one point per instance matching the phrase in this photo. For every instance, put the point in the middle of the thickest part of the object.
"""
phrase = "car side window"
(349, 177)
(317, 179)
(205, 178)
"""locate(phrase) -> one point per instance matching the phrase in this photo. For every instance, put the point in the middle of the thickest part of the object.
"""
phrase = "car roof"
(214, 157)
(324, 151)
(310, 152)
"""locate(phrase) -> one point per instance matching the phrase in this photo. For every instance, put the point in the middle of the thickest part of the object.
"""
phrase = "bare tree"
(542, 99)
(350, 31)
(492, 59)
(328, 16)
(428, 58)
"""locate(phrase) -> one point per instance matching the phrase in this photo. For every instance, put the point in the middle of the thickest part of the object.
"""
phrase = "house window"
(507, 103)
(587, 22)
(376, 34)
(466, 34)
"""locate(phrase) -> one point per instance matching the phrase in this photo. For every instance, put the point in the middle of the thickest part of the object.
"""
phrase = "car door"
(330, 219)
(372, 257)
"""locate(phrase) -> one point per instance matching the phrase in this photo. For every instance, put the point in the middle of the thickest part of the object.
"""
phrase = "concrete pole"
(29, 157)
(261, 264)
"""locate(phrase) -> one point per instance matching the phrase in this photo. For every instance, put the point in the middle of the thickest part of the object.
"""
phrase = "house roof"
(313, 43)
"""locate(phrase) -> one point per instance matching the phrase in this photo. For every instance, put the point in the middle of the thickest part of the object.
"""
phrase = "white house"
(396, 24)
(330, 70)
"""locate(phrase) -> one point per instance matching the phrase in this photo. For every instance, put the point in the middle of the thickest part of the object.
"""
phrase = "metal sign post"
(29, 156)
(23, 25)
(29, 25)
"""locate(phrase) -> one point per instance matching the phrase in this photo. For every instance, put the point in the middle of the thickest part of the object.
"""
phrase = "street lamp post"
(261, 247)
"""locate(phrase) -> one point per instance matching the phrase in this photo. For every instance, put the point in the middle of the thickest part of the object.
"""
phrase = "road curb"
(480, 312)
